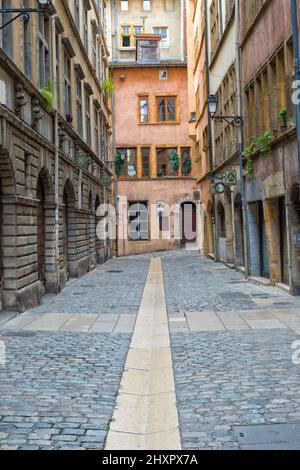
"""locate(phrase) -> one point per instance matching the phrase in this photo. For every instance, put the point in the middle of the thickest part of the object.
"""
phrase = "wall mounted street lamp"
(212, 102)
(44, 6)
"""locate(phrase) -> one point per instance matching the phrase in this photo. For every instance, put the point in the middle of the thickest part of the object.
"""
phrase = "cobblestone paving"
(103, 291)
(227, 379)
(194, 283)
(58, 390)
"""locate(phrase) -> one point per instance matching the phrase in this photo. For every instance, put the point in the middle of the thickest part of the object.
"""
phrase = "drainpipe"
(114, 166)
(295, 28)
(182, 27)
(56, 144)
(241, 140)
(209, 126)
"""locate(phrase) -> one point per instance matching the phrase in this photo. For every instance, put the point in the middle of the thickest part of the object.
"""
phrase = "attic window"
(147, 48)
(163, 75)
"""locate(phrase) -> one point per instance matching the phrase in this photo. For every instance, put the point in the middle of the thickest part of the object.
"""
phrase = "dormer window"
(147, 48)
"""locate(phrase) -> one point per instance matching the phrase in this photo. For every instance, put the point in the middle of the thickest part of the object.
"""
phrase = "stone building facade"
(269, 231)
(149, 68)
(271, 146)
(55, 139)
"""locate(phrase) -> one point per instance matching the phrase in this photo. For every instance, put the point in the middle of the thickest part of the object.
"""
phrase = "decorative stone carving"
(20, 99)
(37, 113)
(61, 136)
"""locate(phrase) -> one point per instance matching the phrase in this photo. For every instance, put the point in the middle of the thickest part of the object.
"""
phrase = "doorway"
(41, 232)
(188, 223)
(263, 243)
(284, 262)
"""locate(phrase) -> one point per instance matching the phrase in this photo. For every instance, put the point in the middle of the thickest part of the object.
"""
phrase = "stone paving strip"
(146, 416)
(271, 319)
(88, 323)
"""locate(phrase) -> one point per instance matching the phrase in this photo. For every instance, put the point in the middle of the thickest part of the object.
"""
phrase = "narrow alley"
(209, 352)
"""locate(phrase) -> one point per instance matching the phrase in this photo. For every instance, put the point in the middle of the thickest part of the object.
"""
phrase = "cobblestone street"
(231, 343)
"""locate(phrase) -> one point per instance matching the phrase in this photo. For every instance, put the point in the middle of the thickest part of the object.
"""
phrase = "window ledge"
(165, 123)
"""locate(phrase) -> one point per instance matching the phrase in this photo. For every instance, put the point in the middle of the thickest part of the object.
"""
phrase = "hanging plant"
(82, 160)
(187, 165)
(283, 117)
(249, 168)
(249, 150)
(47, 93)
(174, 162)
(119, 163)
(263, 141)
(107, 87)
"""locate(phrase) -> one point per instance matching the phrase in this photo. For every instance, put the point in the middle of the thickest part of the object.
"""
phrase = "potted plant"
(119, 163)
(47, 93)
(187, 166)
(174, 163)
(283, 119)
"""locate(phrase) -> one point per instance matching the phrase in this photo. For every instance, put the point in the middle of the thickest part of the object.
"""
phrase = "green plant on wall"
(107, 87)
(263, 142)
(249, 150)
(174, 162)
(283, 116)
(119, 163)
(187, 165)
(47, 93)
(249, 168)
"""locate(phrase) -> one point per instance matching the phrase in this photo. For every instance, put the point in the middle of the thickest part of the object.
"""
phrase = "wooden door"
(41, 232)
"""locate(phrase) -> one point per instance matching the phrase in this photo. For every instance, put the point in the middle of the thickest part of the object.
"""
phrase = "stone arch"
(69, 228)
(239, 231)
(45, 213)
(176, 216)
(8, 215)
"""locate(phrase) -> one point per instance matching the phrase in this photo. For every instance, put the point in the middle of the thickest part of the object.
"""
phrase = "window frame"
(166, 98)
(140, 99)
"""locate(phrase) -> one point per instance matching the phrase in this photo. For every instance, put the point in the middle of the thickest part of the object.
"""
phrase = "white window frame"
(146, 5)
(164, 42)
(124, 5)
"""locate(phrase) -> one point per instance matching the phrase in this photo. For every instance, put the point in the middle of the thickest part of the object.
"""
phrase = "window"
(6, 34)
(67, 85)
(43, 33)
(163, 75)
(77, 13)
(126, 36)
(164, 33)
(96, 130)
(124, 5)
(146, 5)
(79, 104)
(86, 31)
(145, 162)
(129, 159)
(163, 161)
(138, 221)
(94, 49)
(88, 117)
(148, 51)
(166, 108)
(144, 109)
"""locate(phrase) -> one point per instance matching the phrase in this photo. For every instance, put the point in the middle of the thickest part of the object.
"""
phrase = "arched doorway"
(239, 231)
(98, 245)
(68, 226)
(188, 223)
(221, 232)
(41, 232)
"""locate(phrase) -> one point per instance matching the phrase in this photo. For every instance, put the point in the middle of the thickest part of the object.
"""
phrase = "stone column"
(153, 162)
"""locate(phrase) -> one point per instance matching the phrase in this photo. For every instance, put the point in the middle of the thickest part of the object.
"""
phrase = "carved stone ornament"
(20, 99)
(37, 113)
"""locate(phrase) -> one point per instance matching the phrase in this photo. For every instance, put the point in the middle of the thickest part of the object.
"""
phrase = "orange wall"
(146, 81)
